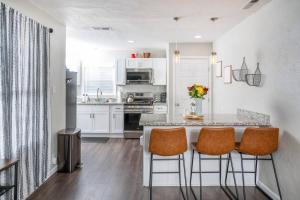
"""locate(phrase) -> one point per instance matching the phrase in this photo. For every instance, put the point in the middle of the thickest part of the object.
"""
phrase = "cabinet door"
(101, 122)
(100, 118)
(160, 109)
(117, 122)
(145, 63)
(84, 122)
(159, 71)
(132, 63)
(121, 72)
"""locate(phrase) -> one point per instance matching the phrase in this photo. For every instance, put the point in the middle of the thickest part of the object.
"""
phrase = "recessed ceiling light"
(213, 19)
(101, 28)
(130, 41)
(198, 36)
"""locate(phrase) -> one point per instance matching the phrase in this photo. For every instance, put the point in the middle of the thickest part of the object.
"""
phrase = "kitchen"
(141, 88)
(143, 100)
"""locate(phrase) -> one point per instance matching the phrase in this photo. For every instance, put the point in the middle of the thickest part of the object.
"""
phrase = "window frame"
(84, 81)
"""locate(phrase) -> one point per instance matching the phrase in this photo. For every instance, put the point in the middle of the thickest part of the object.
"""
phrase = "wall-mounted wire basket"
(240, 74)
(254, 79)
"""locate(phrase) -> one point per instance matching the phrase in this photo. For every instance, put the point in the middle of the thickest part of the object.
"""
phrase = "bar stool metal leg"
(228, 192)
(200, 175)
(185, 181)
(150, 177)
(234, 179)
(162, 172)
(192, 163)
(243, 179)
(255, 168)
(179, 169)
(277, 182)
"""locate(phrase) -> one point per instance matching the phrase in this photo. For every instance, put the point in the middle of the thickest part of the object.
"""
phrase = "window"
(103, 78)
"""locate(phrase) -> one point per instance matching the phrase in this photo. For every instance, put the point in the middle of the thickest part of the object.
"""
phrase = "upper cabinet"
(158, 65)
(121, 72)
(138, 63)
(159, 71)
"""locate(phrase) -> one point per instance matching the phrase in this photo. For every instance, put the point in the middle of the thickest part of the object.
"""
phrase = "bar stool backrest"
(168, 142)
(259, 141)
(216, 141)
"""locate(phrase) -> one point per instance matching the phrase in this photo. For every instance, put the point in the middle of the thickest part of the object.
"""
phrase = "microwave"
(139, 76)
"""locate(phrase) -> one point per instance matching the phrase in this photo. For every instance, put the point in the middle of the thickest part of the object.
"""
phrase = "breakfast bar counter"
(239, 122)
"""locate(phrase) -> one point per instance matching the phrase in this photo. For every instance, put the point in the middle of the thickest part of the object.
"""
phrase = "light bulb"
(213, 58)
(177, 56)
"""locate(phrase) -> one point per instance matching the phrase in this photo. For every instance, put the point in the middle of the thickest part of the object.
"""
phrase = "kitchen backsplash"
(140, 88)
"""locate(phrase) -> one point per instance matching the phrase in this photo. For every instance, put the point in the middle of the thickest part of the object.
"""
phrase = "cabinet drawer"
(84, 109)
(160, 109)
(100, 108)
(117, 108)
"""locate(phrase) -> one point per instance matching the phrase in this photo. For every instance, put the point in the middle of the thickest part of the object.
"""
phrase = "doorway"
(190, 70)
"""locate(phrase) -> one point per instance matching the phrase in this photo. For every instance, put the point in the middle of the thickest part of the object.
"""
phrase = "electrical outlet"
(54, 160)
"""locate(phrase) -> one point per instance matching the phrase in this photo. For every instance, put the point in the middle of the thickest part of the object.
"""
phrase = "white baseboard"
(52, 171)
(109, 135)
(268, 191)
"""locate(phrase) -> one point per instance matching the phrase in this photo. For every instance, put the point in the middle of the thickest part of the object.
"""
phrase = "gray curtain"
(24, 101)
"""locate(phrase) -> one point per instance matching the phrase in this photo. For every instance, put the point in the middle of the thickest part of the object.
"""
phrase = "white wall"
(272, 37)
(186, 50)
(57, 63)
(80, 51)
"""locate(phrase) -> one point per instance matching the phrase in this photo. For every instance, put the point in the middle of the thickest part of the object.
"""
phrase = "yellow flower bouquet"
(197, 91)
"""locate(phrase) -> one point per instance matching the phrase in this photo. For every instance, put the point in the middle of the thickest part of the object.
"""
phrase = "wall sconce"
(177, 56)
(213, 58)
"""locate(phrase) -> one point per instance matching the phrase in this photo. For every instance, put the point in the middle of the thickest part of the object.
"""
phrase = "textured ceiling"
(148, 22)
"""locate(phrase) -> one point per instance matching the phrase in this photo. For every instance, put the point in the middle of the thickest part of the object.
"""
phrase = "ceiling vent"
(250, 4)
(101, 28)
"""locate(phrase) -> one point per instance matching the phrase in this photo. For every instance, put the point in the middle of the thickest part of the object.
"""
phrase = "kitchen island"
(239, 121)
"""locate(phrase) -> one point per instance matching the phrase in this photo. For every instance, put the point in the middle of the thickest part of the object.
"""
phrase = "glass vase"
(198, 106)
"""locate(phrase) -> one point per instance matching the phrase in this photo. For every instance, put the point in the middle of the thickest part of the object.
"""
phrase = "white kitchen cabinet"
(121, 72)
(84, 122)
(145, 63)
(116, 119)
(131, 63)
(160, 109)
(117, 123)
(139, 63)
(101, 122)
(100, 119)
(93, 118)
(159, 71)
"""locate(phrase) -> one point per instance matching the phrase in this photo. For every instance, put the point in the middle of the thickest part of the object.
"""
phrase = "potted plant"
(197, 92)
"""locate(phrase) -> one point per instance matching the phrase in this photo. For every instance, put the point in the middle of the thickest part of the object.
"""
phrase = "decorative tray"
(193, 117)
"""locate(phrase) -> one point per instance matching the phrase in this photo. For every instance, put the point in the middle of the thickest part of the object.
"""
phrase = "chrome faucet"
(98, 99)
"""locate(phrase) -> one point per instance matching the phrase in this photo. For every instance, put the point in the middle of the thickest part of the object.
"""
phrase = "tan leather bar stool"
(168, 142)
(214, 142)
(258, 142)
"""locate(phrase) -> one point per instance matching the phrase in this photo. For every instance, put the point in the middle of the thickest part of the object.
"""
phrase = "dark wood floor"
(113, 171)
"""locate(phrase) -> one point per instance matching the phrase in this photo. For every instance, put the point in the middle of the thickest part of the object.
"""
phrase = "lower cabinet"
(100, 118)
(116, 119)
(85, 122)
(101, 122)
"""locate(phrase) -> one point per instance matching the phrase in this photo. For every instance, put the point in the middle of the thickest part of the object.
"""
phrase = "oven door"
(132, 128)
(139, 76)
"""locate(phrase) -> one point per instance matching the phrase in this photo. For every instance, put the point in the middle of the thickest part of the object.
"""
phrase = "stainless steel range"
(136, 104)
